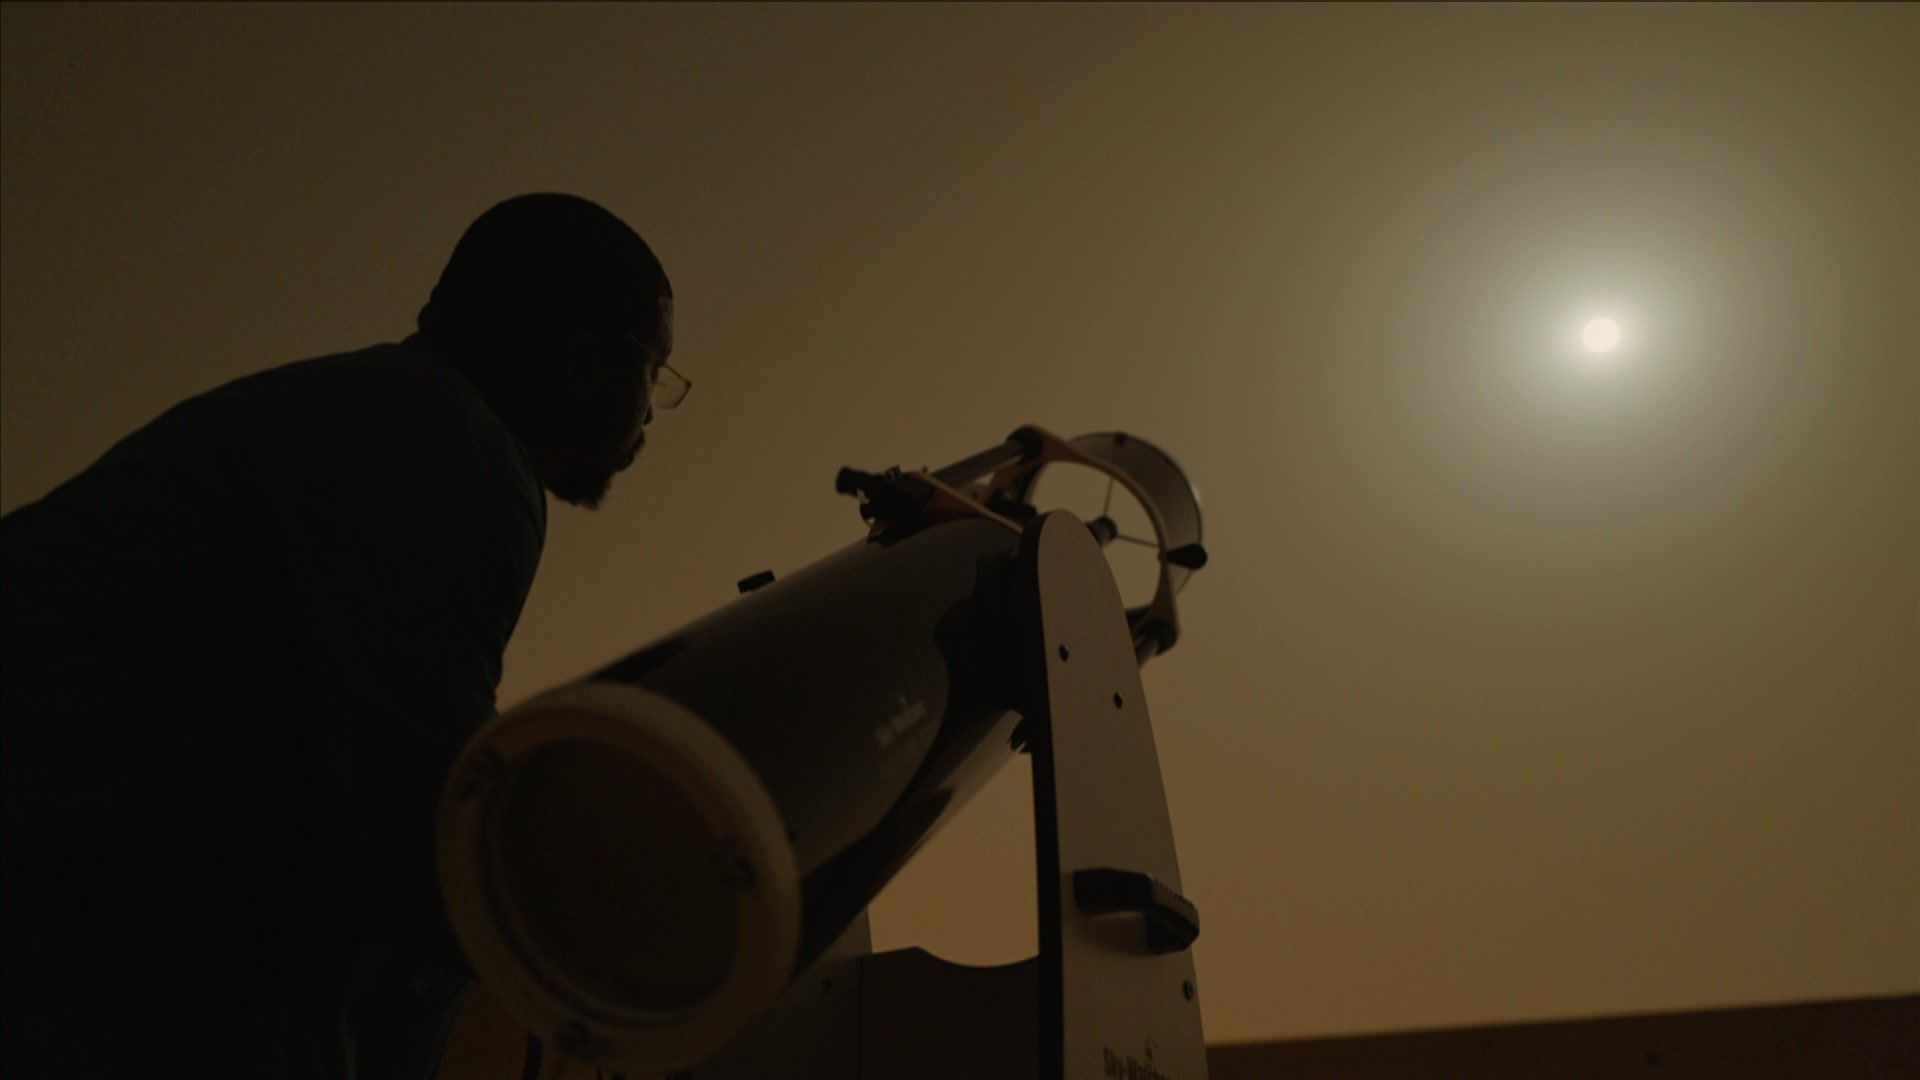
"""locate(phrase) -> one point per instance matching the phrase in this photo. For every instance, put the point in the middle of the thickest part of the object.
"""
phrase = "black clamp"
(1189, 556)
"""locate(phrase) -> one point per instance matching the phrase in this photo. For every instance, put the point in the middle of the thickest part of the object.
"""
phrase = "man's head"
(562, 317)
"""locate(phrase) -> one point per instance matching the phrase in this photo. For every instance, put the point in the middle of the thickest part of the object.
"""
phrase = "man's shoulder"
(383, 418)
(383, 394)
(388, 375)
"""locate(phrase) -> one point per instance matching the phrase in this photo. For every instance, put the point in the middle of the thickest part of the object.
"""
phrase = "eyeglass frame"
(686, 384)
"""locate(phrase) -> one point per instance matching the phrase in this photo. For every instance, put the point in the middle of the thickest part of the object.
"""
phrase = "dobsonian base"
(1111, 995)
(1117, 994)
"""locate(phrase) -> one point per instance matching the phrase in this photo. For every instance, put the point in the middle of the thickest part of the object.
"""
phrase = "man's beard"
(584, 482)
(583, 489)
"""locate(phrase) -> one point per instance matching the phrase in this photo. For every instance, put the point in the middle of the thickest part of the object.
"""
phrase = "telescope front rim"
(534, 980)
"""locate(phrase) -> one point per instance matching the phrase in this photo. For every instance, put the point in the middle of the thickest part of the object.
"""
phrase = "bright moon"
(1601, 335)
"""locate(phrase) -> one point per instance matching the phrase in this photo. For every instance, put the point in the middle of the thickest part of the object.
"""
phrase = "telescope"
(663, 868)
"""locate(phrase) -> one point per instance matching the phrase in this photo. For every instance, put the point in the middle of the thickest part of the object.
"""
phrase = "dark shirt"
(239, 653)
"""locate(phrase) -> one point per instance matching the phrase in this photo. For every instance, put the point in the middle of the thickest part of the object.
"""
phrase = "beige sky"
(1518, 686)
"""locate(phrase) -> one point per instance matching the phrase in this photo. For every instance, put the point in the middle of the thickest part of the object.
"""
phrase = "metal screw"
(1186, 989)
(1118, 701)
(1063, 652)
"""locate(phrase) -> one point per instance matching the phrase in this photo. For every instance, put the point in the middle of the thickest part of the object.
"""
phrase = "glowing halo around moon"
(1601, 335)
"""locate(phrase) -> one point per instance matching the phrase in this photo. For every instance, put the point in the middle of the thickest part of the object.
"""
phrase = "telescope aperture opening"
(638, 903)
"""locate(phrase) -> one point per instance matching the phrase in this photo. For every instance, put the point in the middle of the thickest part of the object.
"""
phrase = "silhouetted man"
(241, 650)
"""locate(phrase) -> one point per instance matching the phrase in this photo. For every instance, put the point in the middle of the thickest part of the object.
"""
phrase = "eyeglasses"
(669, 387)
